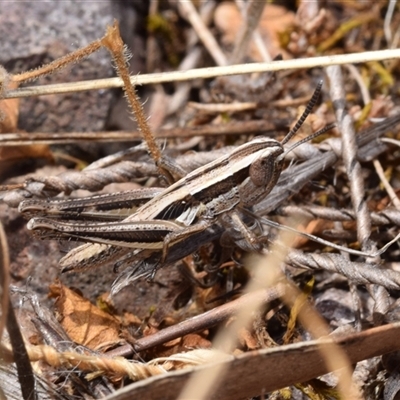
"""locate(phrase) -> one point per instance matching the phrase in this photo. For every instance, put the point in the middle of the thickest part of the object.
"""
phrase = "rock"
(35, 33)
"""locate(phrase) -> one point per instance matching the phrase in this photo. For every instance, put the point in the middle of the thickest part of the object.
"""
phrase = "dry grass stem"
(360, 82)
(219, 107)
(113, 42)
(189, 12)
(266, 273)
(356, 183)
(20, 355)
(206, 73)
(388, 20)
(4, 279)
(202, 384)
(390, 191)
(252, 15)
(258, 40)
(384, 217)
(58, 64)
(349, 149)
(114, 366)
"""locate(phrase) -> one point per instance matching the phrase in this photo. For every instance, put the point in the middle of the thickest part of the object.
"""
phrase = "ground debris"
(242, 294)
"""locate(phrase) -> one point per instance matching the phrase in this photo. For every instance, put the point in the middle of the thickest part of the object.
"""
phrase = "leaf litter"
(152, 327)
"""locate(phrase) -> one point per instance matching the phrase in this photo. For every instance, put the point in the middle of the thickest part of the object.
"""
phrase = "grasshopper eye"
(262, 170)
(265, 170)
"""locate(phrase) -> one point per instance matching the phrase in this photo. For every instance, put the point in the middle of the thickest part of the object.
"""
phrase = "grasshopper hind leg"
(144, 268)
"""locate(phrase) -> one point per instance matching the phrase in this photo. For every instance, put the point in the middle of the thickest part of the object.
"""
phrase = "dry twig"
(207, 73)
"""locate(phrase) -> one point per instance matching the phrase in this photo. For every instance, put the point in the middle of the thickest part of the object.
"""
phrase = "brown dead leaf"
(84, 323)
(9, 109)
(313, 227)
(384, 202)
(247, 339)
(181, 344)
(173, 343)
(195, 341)
(11, 158)
(20, 153)
(129, 319)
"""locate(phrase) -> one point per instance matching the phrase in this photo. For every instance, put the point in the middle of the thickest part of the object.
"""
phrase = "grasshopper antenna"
(305, 114)
(301, 120)
(308, 138)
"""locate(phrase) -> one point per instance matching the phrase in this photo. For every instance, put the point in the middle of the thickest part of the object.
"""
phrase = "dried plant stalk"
(207, 73)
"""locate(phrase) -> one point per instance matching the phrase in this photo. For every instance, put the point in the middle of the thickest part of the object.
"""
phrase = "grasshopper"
(211, 193)
(160, 219)
(103, 207)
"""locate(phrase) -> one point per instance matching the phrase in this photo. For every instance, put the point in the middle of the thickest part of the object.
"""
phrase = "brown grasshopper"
(191, 205)
(162, 219)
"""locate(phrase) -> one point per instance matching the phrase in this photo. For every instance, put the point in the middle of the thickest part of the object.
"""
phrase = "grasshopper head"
(266, 169)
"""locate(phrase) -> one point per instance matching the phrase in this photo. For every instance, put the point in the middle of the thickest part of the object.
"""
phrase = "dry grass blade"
(190, 13)
(383, 217)
(393, 197)
(21, 358)
(24, 368)
(4, 279)
(359, 273)
(349, 154)
(236, 128)
(204, 383)
(286, 365)
(356, 182)
(207, 73)
(253, 14)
